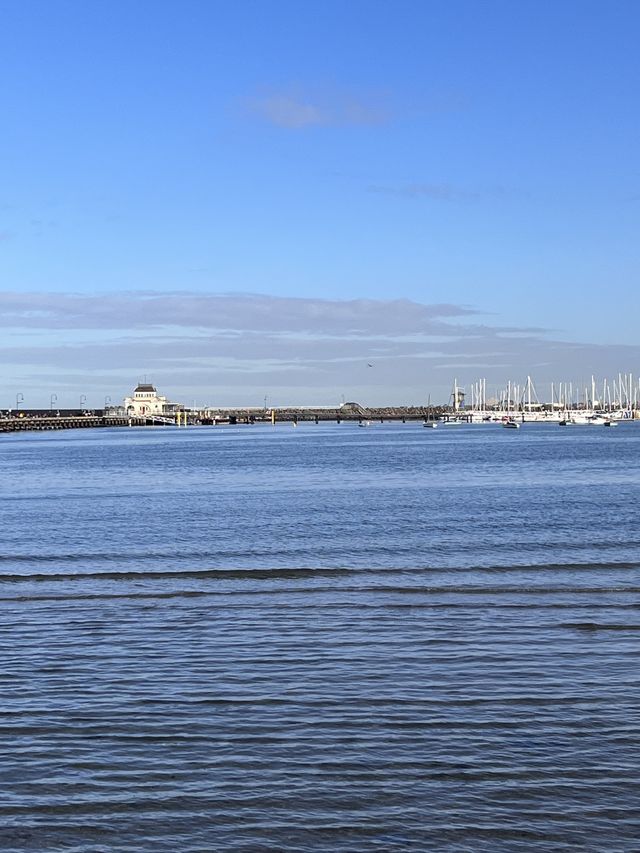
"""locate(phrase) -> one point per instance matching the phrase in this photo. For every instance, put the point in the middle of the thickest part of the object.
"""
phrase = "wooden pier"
(39, 420)
(29, 422)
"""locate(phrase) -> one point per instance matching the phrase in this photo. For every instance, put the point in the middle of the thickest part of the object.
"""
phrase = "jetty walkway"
(26, 421)
(39, 420)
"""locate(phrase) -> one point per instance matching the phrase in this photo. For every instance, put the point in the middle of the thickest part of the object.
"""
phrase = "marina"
(569, 403)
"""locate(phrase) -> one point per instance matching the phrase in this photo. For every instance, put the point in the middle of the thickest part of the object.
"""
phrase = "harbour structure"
(601, 402)
(40, 421)
(146, 401)
(574, 402)
(115, 416)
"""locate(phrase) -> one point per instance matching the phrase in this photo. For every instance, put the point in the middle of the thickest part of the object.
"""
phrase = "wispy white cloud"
(223, 312)
(297, 110)
(287, 111)
(233, 348)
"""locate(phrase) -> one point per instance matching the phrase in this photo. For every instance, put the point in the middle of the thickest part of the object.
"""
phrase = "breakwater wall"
(300, 415)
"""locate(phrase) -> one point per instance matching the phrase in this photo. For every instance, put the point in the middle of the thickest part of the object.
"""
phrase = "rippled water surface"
(323, 638)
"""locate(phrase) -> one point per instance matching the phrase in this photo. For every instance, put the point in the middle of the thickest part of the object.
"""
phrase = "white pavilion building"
(145, 400)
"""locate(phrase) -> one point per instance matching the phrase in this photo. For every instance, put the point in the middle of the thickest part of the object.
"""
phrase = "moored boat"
(575, 420)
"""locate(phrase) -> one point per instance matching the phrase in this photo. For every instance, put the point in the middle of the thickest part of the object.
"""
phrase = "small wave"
(296, 572)
(599, 626)
(195, 574)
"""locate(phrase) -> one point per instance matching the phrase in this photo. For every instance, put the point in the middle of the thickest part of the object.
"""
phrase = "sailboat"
(575, 419)
(430, 423)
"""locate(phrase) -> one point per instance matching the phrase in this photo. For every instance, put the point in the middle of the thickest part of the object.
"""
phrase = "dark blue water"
(322, 638)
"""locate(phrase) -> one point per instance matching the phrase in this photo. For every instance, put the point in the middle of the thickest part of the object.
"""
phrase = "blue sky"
(482, 155)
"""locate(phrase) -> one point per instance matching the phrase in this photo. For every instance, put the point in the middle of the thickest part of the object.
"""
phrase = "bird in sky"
(369, 365)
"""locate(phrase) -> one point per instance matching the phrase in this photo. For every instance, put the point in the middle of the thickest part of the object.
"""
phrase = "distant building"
(146, 401)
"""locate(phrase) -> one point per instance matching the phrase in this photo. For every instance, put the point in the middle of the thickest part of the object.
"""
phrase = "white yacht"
(575, 419)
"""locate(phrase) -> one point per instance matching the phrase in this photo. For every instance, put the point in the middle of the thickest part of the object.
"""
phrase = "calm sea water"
(323, 638)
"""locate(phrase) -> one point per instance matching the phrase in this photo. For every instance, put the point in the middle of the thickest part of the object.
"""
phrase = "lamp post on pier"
(52, 400)
(19, 399)
(83, 400)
